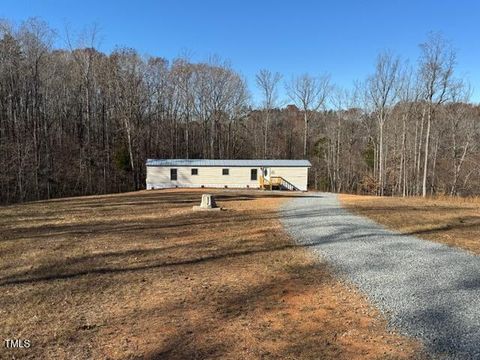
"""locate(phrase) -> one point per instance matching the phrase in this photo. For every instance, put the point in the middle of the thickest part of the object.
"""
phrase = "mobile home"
(255, 174)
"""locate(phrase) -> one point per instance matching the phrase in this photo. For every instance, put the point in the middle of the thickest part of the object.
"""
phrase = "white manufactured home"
(254, 174)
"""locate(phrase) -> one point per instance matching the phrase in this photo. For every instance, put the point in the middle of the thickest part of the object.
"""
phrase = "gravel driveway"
(427, 290)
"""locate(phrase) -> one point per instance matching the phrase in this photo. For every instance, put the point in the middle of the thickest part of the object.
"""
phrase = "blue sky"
(341, 38)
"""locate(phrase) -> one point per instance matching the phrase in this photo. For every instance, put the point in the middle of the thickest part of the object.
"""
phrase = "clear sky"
(341, 38)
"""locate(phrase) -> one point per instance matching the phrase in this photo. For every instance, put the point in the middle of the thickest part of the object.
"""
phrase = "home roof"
(228, 163)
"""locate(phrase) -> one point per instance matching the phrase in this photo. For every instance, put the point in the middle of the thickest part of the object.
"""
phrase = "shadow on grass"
(236, 310)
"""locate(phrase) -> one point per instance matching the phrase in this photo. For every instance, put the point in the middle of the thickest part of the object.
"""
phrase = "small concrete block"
(207, 204)
(208, 201)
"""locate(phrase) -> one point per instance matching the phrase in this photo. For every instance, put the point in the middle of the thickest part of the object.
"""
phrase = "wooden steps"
(276, 182)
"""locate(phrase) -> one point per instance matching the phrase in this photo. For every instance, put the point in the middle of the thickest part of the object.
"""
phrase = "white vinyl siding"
(159, 177)
(239, 177)
(297, 176)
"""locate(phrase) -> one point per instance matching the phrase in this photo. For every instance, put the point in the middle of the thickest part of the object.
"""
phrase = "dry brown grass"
(452, 221)
(140, 275)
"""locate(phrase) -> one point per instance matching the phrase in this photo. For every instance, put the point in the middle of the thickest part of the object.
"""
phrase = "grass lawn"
(140, 275)
(452, 221)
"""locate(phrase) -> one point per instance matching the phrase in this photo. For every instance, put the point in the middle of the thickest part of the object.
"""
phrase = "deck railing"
(276, 181)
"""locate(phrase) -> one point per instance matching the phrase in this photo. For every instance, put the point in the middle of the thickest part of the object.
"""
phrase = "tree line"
(76, 121)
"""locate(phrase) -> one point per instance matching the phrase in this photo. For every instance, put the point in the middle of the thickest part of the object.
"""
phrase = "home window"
(225, 171)
(253, 174)
(173, 174)
(194, 171)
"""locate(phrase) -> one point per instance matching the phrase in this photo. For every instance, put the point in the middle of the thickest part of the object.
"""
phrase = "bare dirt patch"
(452, 221)
(140, 275)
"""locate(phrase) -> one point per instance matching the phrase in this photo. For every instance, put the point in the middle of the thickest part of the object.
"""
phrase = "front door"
(266, 173)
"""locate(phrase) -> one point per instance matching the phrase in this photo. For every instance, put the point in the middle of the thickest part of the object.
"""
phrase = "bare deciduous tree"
(267, 82)
(382, 94)
(309, 94)
(436, 78)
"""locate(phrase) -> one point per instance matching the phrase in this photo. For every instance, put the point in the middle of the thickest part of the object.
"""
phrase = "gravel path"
(427, 290)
